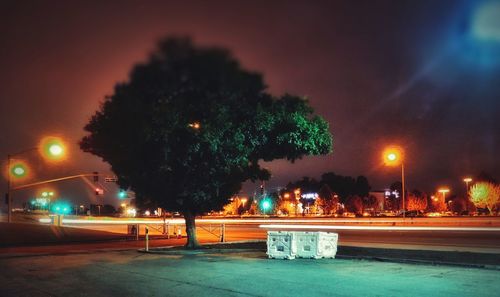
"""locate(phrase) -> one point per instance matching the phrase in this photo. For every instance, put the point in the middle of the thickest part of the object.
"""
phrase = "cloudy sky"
(421, 74)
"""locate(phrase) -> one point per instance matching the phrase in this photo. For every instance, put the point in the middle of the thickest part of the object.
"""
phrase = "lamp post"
(444, 191)
(467, 180)
(393, 156)
(297, 198)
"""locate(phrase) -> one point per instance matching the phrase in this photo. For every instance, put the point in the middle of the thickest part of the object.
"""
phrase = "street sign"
(113, 179)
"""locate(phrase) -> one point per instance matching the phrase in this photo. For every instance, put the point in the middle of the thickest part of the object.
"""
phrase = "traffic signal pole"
(8, 198)
(9, 158)
(10, 189)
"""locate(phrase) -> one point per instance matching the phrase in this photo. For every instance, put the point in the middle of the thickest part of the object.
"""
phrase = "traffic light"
(265, 204)
(96, 176)
(6, 198)
(99, 191)
(61, 208)
(122, 194)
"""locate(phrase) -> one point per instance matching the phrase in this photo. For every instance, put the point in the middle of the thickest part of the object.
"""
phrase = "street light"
(393, 156)
(467, 180)
(195, 125)
(444, 191)
(50, 147)
(297, 197)
(47, 194)
(18, 170)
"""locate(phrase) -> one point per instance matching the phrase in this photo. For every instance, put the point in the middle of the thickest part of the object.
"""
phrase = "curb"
(417, 257)
(158, 250)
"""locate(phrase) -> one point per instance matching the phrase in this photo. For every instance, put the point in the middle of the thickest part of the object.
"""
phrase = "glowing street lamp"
(47, 194)
(393, 156)
(18, 170)
(467, 180)
(52, 148)
(444, 191)
(195, 125)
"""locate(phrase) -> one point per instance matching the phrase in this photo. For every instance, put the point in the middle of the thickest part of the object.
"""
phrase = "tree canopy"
(485, 195)
(190, 125)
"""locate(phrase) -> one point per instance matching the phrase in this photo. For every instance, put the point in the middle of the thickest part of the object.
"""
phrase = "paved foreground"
(232, 273)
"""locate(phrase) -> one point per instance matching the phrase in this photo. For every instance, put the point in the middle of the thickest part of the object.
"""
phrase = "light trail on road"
(381, 228)
(278, 221)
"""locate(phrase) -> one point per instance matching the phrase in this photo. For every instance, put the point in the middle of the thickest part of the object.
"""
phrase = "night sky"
(421, 74)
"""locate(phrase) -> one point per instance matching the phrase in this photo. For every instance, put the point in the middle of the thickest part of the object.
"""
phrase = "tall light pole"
(393, 156)
(297, 199)
(467, 180)
(444, 191)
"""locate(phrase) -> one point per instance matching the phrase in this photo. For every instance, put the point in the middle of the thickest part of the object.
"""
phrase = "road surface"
(209, 231)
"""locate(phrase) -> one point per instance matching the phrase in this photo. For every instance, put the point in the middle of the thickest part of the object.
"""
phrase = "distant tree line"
(354, 194)
(343, 186)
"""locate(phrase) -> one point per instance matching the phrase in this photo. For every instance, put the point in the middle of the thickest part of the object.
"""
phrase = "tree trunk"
(192, 242)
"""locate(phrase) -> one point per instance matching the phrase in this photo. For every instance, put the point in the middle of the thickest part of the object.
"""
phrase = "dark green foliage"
(370, 202)
(146, 130)
(484, 176)
(354, 204)
(362, 187)
(458, 205)
(327, 199)
(343, 186)
(306, 185)
(346, 186)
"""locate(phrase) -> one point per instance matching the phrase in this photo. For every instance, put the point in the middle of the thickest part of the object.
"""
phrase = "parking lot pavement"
(232, 273)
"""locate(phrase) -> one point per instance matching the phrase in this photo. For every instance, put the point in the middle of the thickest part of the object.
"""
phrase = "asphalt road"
(233, 273)
(477, 241)
(248, 229)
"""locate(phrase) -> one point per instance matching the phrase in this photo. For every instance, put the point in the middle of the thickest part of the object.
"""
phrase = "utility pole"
(8, 198)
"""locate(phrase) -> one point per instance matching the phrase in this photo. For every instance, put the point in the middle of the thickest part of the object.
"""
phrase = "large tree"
(327, 200)
(485, 195)
(190, 125)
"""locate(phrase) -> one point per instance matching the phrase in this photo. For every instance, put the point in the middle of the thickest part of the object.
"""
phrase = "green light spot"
(18, 170)
(266, 204)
